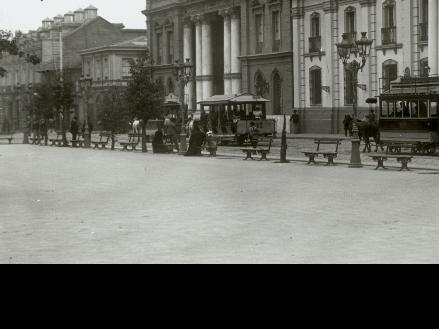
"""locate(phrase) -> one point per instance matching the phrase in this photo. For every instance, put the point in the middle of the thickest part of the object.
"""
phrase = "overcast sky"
(27, 15)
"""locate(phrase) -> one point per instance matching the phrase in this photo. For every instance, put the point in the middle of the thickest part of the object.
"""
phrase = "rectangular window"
(126, 67)
(259, 22)
(170, 47)
(98, 71)
(316, 87)
(106, 69)
(349, 89)
(276, 31)
(159, 49)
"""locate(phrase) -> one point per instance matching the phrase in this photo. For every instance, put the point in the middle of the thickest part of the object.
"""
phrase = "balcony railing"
(423, 32)
(388, 35)
(315, 44)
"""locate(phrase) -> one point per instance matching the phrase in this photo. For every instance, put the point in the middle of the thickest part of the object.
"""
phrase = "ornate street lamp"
(86, 84)
(354, 57)
(183, 72)
(27, 133)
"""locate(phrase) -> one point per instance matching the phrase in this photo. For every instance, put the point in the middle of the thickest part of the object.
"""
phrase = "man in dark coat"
(196, 142)
(74, 128)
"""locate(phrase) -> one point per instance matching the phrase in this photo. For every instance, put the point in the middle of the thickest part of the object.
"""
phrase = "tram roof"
(234, 99)
(411, 91)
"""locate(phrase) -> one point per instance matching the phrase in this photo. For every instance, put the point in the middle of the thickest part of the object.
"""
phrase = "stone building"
(235, 46)
(401, 33)
(58, 43)
(109, 67)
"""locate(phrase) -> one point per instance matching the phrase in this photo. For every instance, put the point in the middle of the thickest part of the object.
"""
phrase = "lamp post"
(86, 84)
(354, 57)
(18, 89)
(183, 72)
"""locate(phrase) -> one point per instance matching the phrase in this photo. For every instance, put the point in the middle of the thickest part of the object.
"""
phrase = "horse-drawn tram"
(409, 116)
(231, 117)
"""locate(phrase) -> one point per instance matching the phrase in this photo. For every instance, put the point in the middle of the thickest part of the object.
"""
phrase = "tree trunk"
(113, 141)
(144, 146)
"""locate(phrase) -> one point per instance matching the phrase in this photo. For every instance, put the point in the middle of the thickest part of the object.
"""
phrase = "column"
(207, 69)
(227, 52)
(188, 54)
(433, 29)
(199, 59)
(236, 51)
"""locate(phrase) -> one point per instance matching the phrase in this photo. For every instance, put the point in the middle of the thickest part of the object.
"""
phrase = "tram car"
(409, 115)
(230, 117)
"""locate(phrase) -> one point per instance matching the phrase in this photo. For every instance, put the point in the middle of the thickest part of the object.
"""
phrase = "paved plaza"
(82, 206)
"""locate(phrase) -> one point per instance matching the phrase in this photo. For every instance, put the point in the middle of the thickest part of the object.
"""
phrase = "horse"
(368, 130)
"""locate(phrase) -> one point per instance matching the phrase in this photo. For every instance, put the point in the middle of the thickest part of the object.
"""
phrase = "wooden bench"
(58, 141)
(329, 155)
(9, 139)
(133, 141)
(78, 142)
(381, 158)
(262, 147)
(212, 145)
(104, 139)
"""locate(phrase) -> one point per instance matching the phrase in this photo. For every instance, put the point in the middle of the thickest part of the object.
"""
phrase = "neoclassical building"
(236, 46)
(401, 30)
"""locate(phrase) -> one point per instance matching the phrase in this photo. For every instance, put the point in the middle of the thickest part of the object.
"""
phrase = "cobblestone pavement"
(82, 206)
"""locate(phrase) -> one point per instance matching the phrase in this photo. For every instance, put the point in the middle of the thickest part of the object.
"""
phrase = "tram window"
(414, 110)
(384, 109)
(423, 109)
(399, 109)
(434, 109)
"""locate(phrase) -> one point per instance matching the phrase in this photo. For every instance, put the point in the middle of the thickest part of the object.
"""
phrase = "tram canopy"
(233, 99)
(171, 100)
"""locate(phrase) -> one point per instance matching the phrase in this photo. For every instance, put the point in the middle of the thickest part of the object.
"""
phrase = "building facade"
(235, 46)
(400, 31)
(58, 43)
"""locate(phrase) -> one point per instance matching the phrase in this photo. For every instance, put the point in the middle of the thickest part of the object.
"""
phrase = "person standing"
(74, 128)
(171, 132)
(295, 120)
(196, 142)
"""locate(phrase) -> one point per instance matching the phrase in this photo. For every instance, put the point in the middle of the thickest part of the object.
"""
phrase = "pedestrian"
(253, 134)
(74, 128)
(295, 120)
(196, 142)
(347, 124)
(171, 132)
(158, 145)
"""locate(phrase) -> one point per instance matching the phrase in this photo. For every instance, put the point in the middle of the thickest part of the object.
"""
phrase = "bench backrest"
(335, 142)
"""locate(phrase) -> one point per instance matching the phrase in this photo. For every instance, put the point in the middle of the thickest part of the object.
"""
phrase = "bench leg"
(249, 155)
(312, 159)
(404, 164)
(264, 156)
(330, 161)
(381, 164)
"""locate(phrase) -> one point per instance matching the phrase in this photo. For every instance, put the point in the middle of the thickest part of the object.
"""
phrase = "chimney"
(69, 17)
(91, 12)
(47, 23)
(79, 15)
(59, 19)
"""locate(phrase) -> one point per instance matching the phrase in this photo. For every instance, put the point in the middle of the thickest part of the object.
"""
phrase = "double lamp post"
(354, 55)
(183, 72)
(86, 84)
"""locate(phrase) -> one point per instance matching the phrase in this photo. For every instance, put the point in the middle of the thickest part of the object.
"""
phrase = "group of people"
(75, 126)
(197, 138)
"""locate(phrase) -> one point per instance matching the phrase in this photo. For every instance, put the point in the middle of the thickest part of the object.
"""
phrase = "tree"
(64, 98)
(17, 46)
(113, 112)
(143, 93)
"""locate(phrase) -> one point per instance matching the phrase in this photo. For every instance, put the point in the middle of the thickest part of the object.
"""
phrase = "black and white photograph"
(219, 132)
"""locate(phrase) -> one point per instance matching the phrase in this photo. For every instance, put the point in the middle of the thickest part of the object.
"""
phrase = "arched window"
(390, 73)
(277, 93)
(351, 23)
(171, 87)
(424, 68)
(389, 31)
(315, 85)
(315, 41)
(261, 85)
